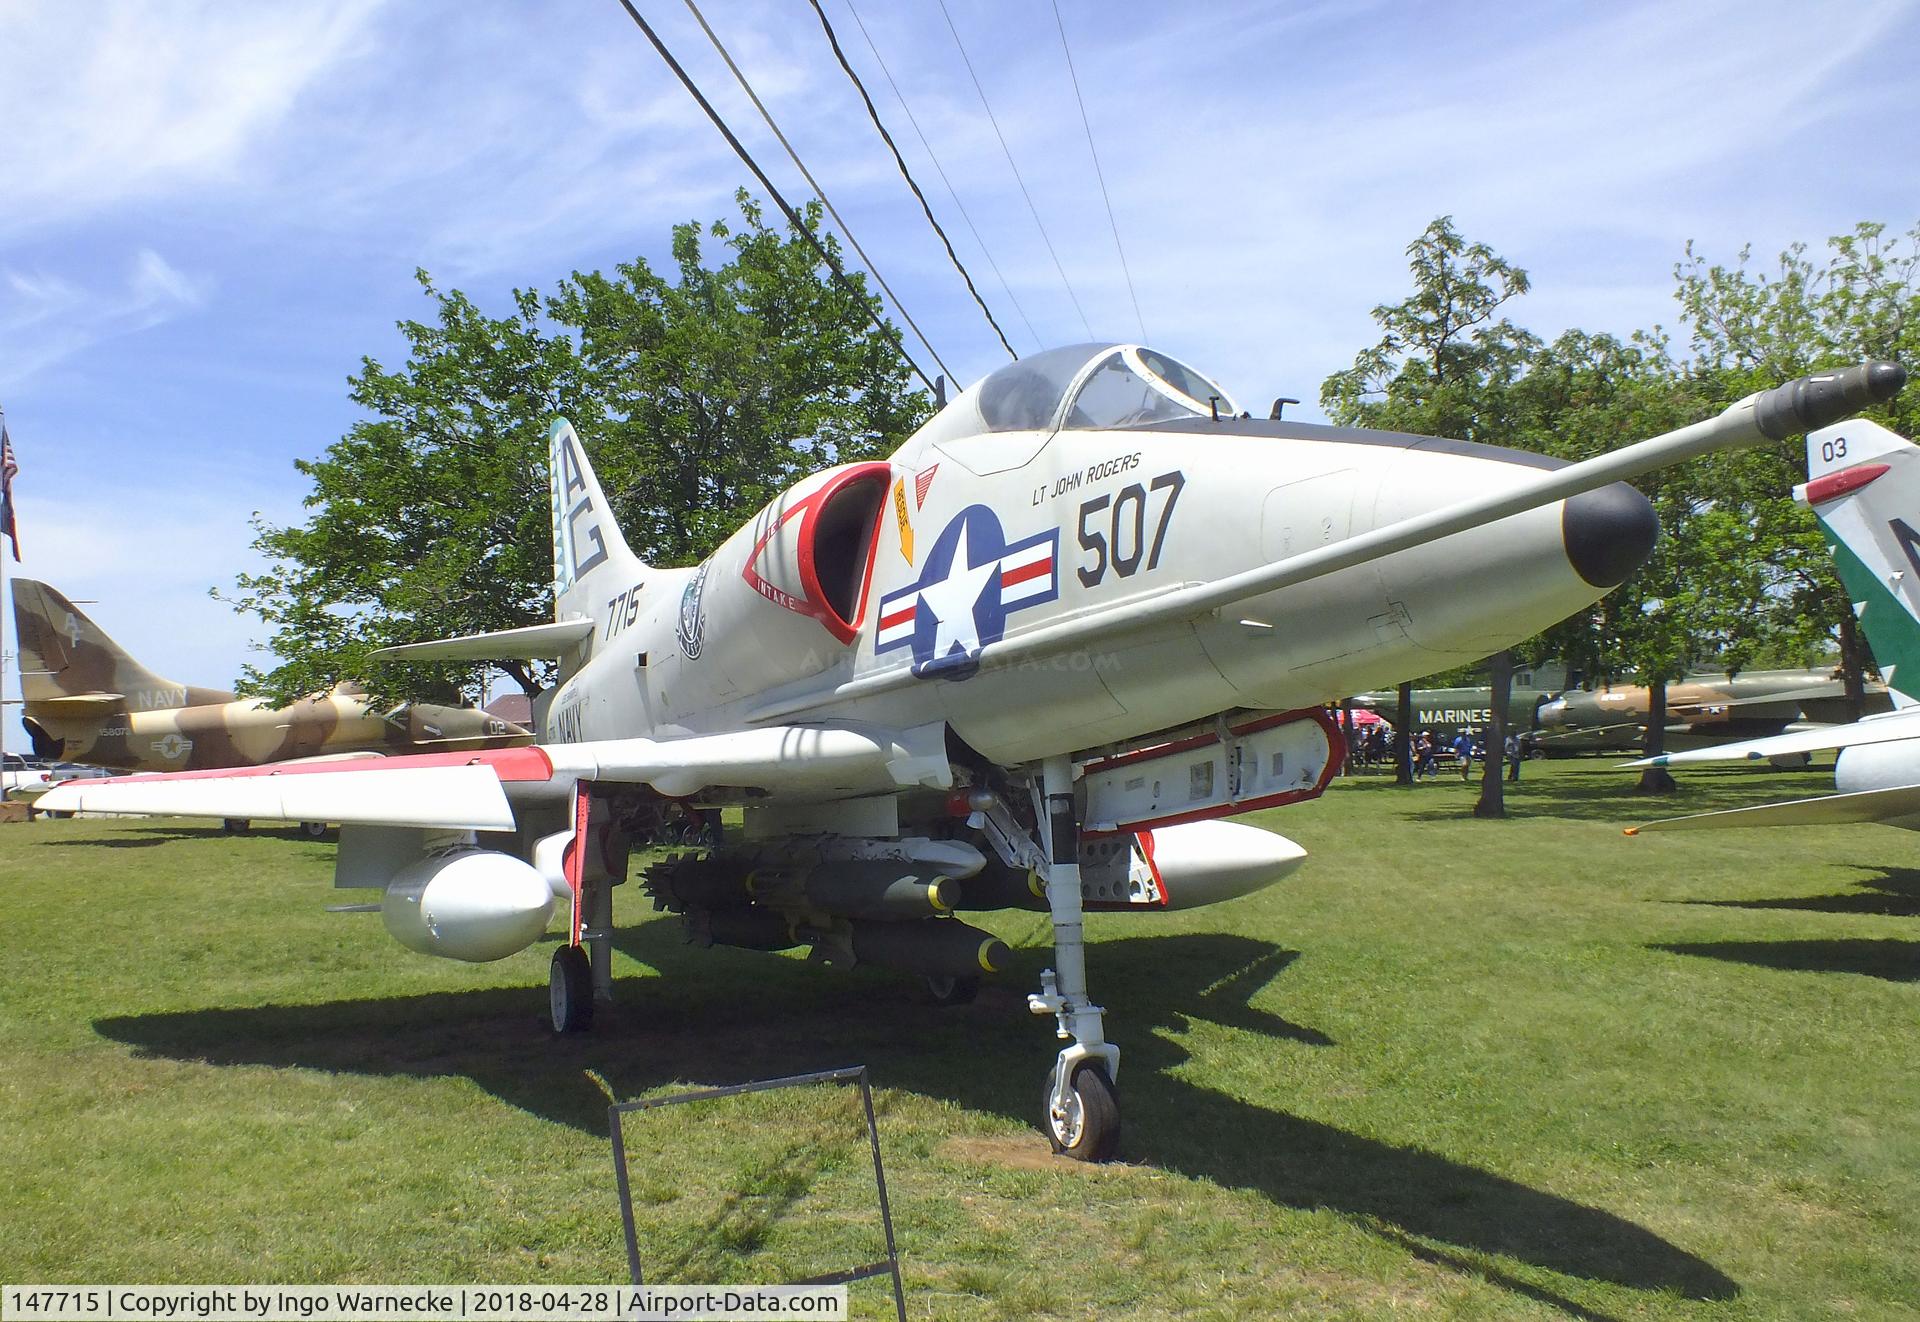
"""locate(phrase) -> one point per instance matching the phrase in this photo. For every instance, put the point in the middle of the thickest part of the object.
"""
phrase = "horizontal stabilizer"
(1834, 688)
(536, 642)
(1874, 730)
(82, 704)
(1833, 809)
(434, 791)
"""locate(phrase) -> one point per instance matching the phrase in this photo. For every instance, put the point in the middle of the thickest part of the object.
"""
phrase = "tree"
(430, 517)
(721, 388)
(1493, 794)
(699, 398)
(1444, 366)
(1588, 394)
(1748, 330)
(1403, 735)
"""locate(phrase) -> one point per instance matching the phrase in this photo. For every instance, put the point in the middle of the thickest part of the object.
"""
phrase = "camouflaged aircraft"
(1703, 710)
(86, 700)
(1031, 660)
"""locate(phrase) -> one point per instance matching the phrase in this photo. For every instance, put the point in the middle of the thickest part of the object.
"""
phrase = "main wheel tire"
(1090, 1129)
(951, 989)
(235, 825)
(314, 830)
(570, 990)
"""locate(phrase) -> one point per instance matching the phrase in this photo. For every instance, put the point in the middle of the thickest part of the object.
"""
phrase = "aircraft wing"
(456, 792)
(1831, 689)
(473, 791)
(1829, 810)
(1578, 731)
(536, 642)
(1876, 730)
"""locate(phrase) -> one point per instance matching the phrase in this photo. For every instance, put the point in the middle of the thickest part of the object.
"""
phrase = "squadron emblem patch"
(692, 621)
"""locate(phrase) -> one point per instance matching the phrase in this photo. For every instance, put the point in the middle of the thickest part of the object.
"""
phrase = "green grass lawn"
(1528, 1068)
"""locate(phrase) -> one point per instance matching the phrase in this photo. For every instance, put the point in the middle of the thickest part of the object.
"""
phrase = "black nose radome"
(1609, 533)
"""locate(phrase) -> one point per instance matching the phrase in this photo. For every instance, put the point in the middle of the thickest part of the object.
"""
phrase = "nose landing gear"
(1082, 1116)
(1083, 1121)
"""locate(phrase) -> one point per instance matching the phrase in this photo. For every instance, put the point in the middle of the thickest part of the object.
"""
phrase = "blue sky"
(210, 212)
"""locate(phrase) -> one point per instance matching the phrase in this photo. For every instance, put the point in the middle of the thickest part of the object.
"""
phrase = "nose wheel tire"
(1089, 1128)
(948, 989)
(570, 990)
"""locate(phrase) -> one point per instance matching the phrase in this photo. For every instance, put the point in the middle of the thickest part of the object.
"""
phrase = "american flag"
(7, 469)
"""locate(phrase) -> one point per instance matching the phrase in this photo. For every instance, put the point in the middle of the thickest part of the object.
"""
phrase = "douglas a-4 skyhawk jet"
(1030, 660)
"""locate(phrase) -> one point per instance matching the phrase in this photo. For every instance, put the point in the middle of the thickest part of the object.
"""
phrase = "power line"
(886, 137)
(1016, 169)
(793, 217)
(952, 192)
(820, 192)
(1098, 173)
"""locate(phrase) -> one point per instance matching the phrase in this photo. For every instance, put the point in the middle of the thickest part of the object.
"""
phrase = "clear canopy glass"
(1081, 386)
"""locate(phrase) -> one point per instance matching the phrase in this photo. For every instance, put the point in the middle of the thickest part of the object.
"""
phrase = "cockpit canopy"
(1080, 387)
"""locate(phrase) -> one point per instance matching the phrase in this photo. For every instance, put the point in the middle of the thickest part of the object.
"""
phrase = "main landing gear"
(583, 974)
(570, 990)
(595, 861)
(1082, 1115)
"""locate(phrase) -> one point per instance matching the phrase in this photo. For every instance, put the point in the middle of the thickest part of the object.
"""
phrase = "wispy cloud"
(46, 317)
(111, 104)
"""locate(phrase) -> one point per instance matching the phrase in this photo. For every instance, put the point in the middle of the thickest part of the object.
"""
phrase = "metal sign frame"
(890, 1265)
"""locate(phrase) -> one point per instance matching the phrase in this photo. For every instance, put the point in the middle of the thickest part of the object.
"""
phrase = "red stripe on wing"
(510, 764)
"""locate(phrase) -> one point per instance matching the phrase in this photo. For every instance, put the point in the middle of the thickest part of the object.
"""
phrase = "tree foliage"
(1748, 329)
(715, 391)
(699, 394)
(1444, 365)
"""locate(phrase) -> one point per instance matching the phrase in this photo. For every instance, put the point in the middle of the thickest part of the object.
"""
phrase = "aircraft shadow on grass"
(1895, 961)
(1891, 892)
(146, 837)
(1612, 801)
(725, 1016)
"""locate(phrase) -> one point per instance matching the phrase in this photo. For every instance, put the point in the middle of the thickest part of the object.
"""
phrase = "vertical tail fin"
(1863, 484)
(588, 551)
(63, 654)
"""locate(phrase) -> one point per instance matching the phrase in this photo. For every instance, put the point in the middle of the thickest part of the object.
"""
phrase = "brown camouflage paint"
(139, 721)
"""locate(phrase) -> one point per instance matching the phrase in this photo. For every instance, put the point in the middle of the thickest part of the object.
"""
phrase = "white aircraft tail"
(591, 561)
(1863, 484)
